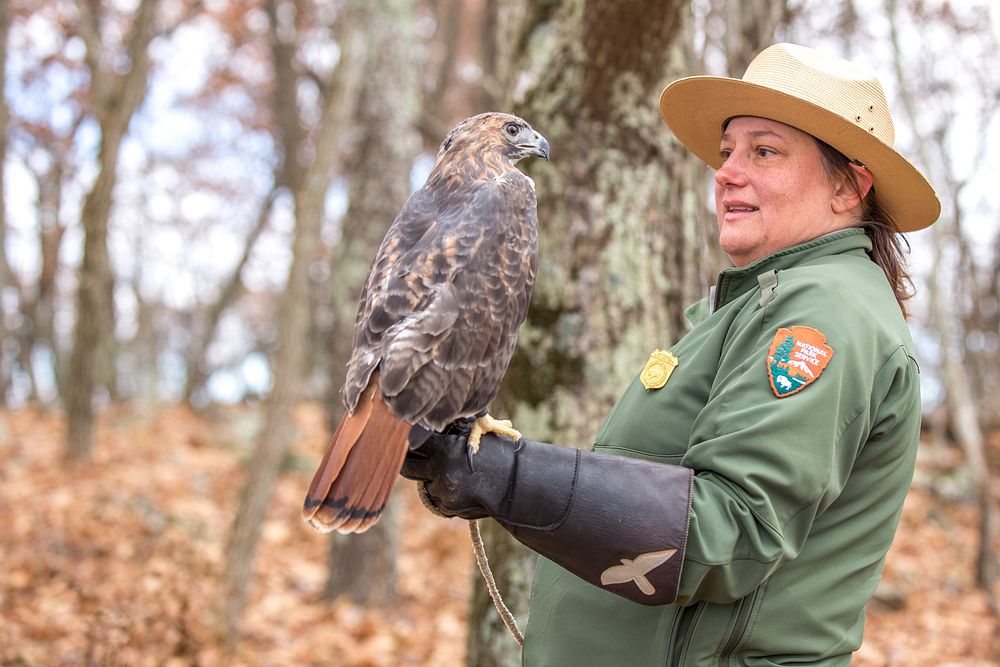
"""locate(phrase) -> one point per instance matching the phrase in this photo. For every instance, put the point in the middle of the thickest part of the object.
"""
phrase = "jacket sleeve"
(766, 468)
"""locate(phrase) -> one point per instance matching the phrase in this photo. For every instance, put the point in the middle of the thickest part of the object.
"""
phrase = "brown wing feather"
(442, 322)
(381, 304)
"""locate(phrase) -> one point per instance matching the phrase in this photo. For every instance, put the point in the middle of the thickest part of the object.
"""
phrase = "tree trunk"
(276, 434)
(991, 328)
(94, 320)
(39, 309)
(750, 26)
(621, 220)
(364, 566)
(6, 276)
(115, 98)
(961, 404)
(622, 228)
(293, 323)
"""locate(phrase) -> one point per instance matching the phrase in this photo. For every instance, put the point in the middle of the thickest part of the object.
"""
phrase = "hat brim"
(694, 108)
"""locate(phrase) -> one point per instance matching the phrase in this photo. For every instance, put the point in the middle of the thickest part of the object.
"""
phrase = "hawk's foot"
(487, 424)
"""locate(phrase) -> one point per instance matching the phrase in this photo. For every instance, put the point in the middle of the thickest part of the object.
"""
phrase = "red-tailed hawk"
(439, 315)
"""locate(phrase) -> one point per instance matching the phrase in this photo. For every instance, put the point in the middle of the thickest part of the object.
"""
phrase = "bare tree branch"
(198, 370)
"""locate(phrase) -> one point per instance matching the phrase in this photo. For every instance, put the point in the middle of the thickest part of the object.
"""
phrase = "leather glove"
(452, 481)
(618, 523)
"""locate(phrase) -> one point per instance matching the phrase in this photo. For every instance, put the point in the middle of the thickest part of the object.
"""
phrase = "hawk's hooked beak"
(539, 146)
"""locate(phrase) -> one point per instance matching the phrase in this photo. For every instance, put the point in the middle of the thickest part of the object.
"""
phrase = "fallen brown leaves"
(118, 563)
(928, 610)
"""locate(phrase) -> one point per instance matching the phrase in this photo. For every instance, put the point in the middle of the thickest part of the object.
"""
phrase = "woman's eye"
(764, 152)
(725, 153)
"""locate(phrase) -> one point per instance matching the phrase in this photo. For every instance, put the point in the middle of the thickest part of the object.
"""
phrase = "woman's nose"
(732, 171)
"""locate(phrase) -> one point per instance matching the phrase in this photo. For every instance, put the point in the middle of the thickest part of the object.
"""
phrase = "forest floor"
(118, 563)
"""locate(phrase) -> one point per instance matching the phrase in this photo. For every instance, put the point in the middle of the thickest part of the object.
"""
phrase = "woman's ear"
(848, 195)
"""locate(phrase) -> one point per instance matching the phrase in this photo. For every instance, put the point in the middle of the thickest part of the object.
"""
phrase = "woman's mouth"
(738, 211)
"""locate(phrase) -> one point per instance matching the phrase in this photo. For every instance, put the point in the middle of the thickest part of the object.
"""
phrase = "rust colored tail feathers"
(353, 482)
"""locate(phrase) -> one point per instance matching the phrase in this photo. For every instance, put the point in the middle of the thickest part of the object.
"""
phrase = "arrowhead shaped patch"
(796, 359)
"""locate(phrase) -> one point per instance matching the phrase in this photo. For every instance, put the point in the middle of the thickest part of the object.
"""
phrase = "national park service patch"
(796, 359)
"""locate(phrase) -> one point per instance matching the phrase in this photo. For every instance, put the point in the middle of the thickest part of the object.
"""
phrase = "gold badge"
(658, 368)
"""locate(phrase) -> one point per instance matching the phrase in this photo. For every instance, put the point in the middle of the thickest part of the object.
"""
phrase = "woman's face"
(772, 191)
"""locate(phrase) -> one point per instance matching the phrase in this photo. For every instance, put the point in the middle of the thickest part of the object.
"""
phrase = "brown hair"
(887, 243)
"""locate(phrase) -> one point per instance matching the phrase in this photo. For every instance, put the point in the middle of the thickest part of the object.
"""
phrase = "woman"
(742, 494)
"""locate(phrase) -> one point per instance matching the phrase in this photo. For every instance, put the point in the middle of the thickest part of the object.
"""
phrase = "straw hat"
(834, 100)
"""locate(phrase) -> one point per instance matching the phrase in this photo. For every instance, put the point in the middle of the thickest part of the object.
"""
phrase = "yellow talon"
(487, 424)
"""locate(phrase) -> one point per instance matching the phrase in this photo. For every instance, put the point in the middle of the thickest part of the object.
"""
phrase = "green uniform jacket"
(802, 451)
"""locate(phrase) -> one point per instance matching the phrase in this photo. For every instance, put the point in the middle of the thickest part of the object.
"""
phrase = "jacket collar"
(736, 282)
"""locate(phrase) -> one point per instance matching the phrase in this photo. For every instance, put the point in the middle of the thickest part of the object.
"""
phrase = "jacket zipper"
(683, 631)
(742, 621)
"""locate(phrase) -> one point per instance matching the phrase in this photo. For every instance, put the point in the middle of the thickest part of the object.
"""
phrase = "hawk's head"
(509, 135)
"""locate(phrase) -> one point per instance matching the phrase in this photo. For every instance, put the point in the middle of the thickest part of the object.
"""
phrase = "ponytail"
(887, 243)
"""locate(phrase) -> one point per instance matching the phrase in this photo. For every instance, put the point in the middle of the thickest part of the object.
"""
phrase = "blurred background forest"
(192, 193)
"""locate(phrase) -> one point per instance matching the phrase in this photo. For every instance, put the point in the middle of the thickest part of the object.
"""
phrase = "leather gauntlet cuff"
(618, 523)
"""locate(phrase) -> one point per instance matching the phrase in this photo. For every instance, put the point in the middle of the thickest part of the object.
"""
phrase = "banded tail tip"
(328, 516)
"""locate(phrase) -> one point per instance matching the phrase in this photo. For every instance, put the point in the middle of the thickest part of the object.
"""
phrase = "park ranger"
(742, 494)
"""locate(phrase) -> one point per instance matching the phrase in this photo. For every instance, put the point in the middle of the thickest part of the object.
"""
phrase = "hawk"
(438, 318)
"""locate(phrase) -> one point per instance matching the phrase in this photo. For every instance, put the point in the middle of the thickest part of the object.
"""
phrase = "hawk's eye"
(511, 129)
